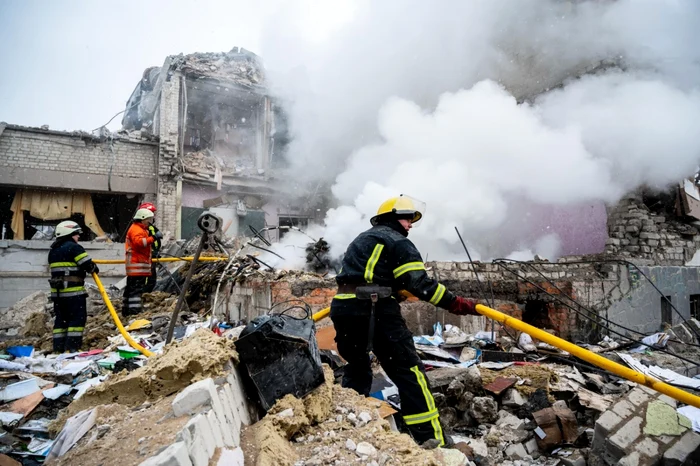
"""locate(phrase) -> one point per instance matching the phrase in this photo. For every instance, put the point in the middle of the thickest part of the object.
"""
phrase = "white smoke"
(423, 99)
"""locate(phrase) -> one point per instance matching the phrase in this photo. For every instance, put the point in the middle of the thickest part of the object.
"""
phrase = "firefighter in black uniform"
(155, 248)
(366, 314)
(69, 264)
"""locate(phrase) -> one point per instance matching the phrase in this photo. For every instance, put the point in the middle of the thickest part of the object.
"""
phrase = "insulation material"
(52, 205)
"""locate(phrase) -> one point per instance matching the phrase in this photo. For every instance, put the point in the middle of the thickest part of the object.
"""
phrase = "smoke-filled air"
(505, 117)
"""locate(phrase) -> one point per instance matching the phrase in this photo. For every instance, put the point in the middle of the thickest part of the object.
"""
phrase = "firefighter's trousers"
(132, 295)
(393, 347)
(69, 324)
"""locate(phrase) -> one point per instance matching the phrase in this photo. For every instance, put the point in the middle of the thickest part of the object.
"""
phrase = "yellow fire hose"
(582, 353)
(321, 314)
(163, 259)
(593, 358)
(118, 322)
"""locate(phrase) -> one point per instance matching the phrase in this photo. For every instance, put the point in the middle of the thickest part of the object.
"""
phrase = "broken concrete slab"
(483, 409)
(516, 451)
(512, 398)
(174, 455)
(662, 419)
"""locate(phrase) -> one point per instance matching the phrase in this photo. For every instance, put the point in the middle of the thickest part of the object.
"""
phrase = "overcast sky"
(72, 64)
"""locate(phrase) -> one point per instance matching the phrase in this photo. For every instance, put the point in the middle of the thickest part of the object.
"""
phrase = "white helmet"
(68, 228)
(143, 214)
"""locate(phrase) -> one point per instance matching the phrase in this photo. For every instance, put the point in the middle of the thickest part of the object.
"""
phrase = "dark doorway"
(695, 306)
(537, 314)
(666, 310)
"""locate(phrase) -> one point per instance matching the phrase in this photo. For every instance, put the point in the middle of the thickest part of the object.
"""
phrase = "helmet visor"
(410, 205)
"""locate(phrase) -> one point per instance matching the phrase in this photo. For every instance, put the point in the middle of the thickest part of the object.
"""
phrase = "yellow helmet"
(402, 205)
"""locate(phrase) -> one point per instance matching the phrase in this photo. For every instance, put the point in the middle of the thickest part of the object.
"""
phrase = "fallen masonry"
(502, 398)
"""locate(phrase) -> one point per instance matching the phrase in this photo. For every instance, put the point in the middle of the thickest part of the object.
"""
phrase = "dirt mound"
(195, 358)
(135, 433)
(326, 427)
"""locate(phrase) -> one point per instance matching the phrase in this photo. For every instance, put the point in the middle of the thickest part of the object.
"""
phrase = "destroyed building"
(199, 133)
(221, 142)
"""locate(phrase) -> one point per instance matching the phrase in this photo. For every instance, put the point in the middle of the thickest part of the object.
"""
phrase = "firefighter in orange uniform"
(138, 260)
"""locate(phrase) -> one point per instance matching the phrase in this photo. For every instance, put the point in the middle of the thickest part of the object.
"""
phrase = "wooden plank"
(26, 405)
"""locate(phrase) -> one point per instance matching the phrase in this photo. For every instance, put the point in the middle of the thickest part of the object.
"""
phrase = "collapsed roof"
(238, 67)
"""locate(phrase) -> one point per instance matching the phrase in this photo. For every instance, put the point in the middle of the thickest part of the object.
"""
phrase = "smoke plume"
(515, 120)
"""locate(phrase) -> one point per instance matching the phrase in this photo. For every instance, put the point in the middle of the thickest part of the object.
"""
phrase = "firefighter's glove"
(463, 306)
(158, 235)
(95, 269)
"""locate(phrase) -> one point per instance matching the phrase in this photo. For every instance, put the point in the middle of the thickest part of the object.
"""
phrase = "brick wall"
(635, 231)
(168, 149)
(41, 158)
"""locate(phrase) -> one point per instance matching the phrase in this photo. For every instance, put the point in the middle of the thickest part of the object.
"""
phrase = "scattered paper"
(665, 375)
(540, 433)
(435, 340)
(658, 340)
(19, 390)
(495, 365)
(7, 418)
(692, 413)
(84, 386)
(75, 428)
(74, 368)
(57, 391)
(12, 366)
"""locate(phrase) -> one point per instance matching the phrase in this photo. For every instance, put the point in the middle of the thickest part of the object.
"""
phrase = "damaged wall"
(54, 159)
(613, 291)
(637, 231)
(168, 198)
(24, 267)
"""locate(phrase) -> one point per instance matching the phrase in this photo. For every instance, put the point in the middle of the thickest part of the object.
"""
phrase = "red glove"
(463, 306)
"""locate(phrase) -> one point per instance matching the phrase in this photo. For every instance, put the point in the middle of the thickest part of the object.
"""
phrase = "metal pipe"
(164, 259)
(185, 286)
(118, 322)
(593, 358)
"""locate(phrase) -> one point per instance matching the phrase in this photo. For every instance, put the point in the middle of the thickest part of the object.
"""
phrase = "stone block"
(202, 444)
(216, 429)
(638, 397)
(175, 455)
(682, 449)
(195, 397)
(234, 423)
(623, 408)
(621, 441)
(517, 451)
(603, 427)
(648, 447)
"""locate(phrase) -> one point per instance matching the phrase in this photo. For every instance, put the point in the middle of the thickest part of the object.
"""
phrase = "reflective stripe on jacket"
(138, 250)
(69, 262)
(152, 230)
(384, 256)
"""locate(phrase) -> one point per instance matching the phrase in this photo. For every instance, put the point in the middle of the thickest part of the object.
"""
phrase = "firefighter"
(377, 267)
(69, 264)
(155, 248)
(138, 260)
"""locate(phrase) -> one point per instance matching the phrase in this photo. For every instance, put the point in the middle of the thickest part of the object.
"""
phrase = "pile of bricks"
(635, 231)
(633, 433)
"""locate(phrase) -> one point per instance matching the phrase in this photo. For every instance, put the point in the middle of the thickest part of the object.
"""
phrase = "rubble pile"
(638, 231)
(200, 356)
(238, 65)
(333, 425)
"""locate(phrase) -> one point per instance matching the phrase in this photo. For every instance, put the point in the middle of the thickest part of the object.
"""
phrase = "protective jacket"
(384, 256)
(155, 247)
(138, 250)
(69, 264)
